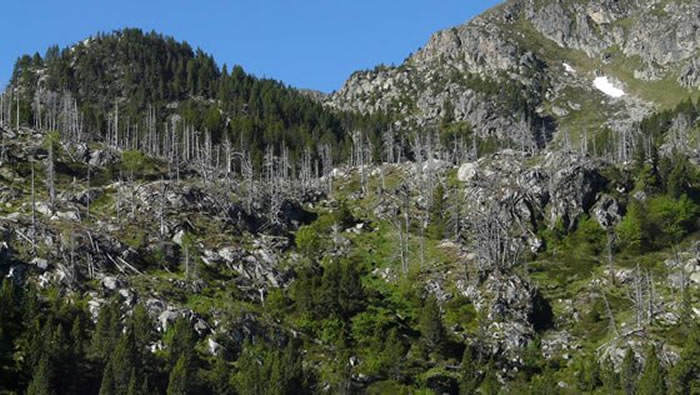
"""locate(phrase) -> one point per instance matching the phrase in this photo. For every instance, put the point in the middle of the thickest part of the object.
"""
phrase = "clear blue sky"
(312, 44)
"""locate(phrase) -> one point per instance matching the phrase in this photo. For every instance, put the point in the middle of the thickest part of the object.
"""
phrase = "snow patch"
(604, 85)
(568, 68)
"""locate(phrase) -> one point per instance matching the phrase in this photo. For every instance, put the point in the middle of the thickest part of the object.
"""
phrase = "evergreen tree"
(351, 292)
(178, 383)
(588, 373)
(107, 385)
(41, 379)
(430, 324)
(182, 342)
(438, 223)
(652, 380)
(469, 373)
(221, 378)
(685, 375)
(393, 354)
(107, 331)
(608, 377)
(629, 372)
(124, 361)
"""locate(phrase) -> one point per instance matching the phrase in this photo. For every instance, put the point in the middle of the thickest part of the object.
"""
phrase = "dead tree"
(33, 211)
(496, 243)
(642, 294)
(327, 165)
(610, 245)
(400, 220)
(50, 174)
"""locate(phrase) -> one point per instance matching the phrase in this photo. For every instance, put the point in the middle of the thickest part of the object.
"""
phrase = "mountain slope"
(525, 69)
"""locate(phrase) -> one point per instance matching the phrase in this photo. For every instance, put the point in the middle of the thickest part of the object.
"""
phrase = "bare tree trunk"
(50, 176)
(33, 212)
(88, 191)
(17, 99)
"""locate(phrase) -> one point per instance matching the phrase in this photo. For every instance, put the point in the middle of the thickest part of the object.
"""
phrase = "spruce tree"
(685, 375)
(436, 229)
(608, 377)
(221, 377)
(628, 373)
(107, 331)
(469, 373)
(430, 325)
(179, 377)
(652, 380)
(107, 385)
(41, 380)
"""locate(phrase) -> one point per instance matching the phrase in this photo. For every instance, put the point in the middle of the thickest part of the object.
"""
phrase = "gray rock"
(40, 263)
(607, 212)
(466, 171)
(110, 283)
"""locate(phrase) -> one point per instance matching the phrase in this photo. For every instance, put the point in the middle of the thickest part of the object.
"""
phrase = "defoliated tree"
(51, 142)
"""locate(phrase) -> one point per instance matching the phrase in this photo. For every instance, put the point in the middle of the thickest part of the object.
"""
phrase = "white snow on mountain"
(604, 85)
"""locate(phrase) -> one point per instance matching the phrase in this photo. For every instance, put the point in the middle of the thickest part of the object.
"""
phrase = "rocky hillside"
(520, 213)
(527, 69)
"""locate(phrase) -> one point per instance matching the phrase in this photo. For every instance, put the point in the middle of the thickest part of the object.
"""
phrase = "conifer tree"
(221, 377)
(430, 324)
(629, 372)
(652, 380)
(107, 331)
(179, 377)
(107, 385)
(438, 223)
(685, 375)
(608, 377)
(469, 374)
(41, 380)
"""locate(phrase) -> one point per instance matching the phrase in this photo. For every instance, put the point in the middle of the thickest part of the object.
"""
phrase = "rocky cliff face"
(526, 68)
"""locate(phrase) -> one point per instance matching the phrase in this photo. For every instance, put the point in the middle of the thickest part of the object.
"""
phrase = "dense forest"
(132, 83)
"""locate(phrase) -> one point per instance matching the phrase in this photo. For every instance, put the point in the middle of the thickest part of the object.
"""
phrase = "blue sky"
(312, 44)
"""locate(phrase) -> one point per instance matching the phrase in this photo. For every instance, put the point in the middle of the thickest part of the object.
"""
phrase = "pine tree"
(182, 342)
(652, 380)
(430, 324)
(351, 293)
(628, 373)
(685, 375)
(41, 380)
(469, 374)
(107, 385)
(106, 332)
(133, 389)
(610, 379)
(221, 378)
(179, 377)
(393, 353)
(124, 361)
(588, 373)
(438, 222)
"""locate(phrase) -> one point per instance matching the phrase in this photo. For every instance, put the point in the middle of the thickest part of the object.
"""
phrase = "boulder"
(607, 212)
(466, 171)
